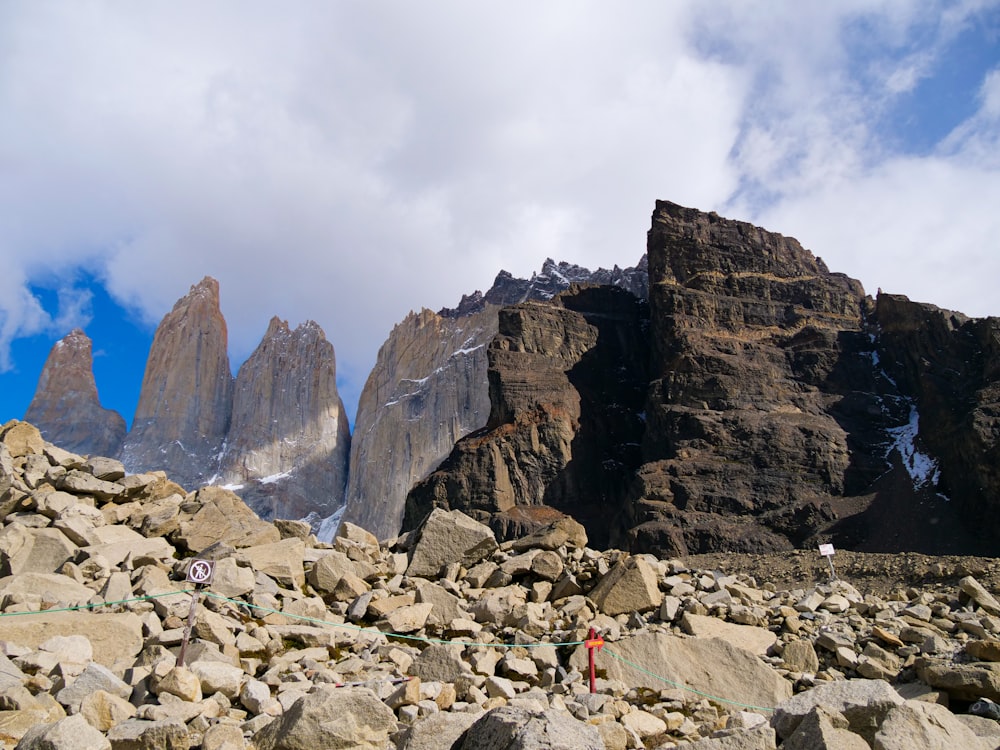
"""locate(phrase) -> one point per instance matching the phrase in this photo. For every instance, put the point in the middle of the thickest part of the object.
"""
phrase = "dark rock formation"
(429, 388)
(66, 407)
(187, 392)
(949, 365)
(766, 415)
(567, 382)
(288, 443)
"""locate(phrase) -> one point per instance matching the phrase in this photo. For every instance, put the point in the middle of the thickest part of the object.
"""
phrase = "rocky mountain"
(277, 432)
(445, 638)
(66, 407)
(186, 400)
(288, 440)
(766, 403)
(429, 388)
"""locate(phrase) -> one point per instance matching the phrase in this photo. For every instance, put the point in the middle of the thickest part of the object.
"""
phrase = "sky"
(349, 162)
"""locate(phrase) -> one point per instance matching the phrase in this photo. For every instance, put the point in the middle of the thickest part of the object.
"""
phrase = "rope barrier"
(388, 634)
(94, 606)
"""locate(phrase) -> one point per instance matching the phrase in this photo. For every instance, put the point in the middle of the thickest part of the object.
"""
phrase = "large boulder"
(448, 537)
(708, 665)
(630, 586)
(116, 638)
(928, 726)
(71, 733)
(333, 719)
(863, 703)
(514, 728)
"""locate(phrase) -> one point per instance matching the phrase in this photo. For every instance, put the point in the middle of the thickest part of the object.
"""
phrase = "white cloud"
(350, 162)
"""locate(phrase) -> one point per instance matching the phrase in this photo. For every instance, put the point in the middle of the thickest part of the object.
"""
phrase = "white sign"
(201, 571)
(826, 550)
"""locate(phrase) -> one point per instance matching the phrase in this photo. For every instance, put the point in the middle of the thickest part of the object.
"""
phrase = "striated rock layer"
(66, 407)
(289, 440)
(766, 404)
(429, 388)
(187, 392)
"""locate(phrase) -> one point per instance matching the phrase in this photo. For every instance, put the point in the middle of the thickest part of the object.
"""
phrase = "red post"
(593, 641)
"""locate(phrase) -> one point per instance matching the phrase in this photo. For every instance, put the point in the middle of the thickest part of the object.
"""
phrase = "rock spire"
(66, 407)
(187, 392)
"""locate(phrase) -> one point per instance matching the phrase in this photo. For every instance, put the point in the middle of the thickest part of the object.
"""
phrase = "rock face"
(187, 392)
(289, 440)
(949, 365)
(566, 385)
(763, 403)
(429, 388)
(278, 432)
(66, 407)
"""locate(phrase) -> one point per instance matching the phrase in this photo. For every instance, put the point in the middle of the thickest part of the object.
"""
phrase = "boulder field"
(442, 637)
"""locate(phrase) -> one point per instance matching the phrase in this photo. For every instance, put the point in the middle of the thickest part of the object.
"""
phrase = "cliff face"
(187, 392)
(66, 407)
(566, 383)
(777, 407)
(949, 367)
(288, 442)
(429, 388)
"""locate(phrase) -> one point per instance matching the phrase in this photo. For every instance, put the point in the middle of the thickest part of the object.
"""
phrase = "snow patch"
(273, 478)
(923, 469)
(329, 525)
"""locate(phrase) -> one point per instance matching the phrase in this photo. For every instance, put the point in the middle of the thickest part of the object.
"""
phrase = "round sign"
(200, 571)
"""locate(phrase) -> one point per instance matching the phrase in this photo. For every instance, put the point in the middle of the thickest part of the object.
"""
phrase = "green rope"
(388, 634)
(683, 687)
(94, 606)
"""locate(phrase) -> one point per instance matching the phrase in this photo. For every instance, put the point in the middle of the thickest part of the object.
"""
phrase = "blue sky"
(350, 162)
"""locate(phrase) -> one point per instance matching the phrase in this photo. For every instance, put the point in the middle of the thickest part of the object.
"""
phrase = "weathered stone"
(439, 662)
(21, 439)
(969, 681)
(708, 665)
(53, 588)
(281, 560)
(71, 733)
(223, 517)
(103, 710)
(42, 551)
(217, 677)
(514, 728)
(758, 738)
(141, 734)
(863, 703)
(446, 537)
(827, 729)
(631, 586)
(800, 656)
(750, 638)
(978, 593)
(927, 726)
(181, 682)
(332, 718)
(94, 678)
(440, 730)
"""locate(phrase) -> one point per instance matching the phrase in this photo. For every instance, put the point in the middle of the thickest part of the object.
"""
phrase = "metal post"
(593, 641)
(188, 627)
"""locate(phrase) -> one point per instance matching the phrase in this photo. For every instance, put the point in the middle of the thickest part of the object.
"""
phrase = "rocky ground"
(442, 638)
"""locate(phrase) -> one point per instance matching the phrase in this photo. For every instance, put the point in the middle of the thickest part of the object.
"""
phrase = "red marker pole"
(593, 641)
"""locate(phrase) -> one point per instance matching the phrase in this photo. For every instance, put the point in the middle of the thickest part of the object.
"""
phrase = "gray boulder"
(513, 728)
(863, 703)
(333, 719)
(448, 537)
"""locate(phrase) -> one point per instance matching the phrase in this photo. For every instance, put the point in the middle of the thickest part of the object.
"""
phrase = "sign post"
(200, 573)
(827, 551)
(593, 641)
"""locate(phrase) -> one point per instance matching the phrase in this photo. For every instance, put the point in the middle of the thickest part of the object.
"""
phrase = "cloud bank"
(350, 162)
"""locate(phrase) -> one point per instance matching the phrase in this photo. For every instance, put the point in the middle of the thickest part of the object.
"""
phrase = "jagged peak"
(206, 289)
